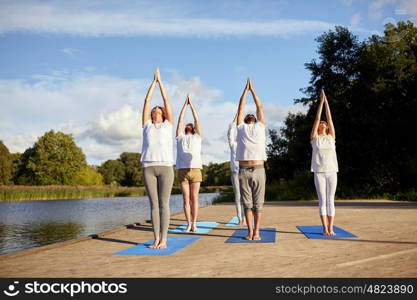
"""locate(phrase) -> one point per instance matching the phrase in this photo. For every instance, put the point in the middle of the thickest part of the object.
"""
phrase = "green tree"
(133, 169)
(88, 175)
(372, 91)
(216, 174)
(53, 159)
(389, 77)
(16, 165)
(113, 171)
(6, 165)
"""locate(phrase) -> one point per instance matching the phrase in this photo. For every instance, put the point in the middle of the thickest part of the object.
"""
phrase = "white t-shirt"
(189, 151)
(157, 144)
(324, 157)
(251, 142)
(231, 136)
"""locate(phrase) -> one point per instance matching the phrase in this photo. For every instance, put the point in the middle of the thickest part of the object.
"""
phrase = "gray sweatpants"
(252, 181)
(158, 183)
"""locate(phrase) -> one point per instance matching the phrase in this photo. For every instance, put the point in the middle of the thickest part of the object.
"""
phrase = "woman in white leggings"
(324, 164)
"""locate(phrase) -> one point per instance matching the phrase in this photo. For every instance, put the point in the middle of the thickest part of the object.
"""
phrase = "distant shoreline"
(9, 193)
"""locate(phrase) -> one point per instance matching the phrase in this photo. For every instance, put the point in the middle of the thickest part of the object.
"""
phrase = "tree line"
(55, 159)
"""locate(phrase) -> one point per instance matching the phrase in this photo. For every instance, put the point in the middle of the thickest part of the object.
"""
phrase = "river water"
(28, 224)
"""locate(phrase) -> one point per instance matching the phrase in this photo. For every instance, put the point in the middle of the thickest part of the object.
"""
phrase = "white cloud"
(19, 143)
(104, 113)
(178, 89)
(276, 114)
(84, 19)
(376, 6)
(400, 8)
(409, 7)
(346, 2)
(114, 128)
(71, 52)
(240, 69)
(355, 20)
(210, 159)
(66, 96)
(97, 152)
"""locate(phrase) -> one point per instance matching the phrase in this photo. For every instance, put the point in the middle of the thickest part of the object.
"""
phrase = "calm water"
(27, 224)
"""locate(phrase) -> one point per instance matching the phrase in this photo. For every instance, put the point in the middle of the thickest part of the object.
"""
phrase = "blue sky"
(83, 67)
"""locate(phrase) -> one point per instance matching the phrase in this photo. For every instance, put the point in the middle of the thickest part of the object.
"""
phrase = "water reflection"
(28, 224)
(47, 233)
(2, 233)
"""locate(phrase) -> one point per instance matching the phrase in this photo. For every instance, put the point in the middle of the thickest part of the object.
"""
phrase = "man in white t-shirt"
(189, 164)
(251, 154)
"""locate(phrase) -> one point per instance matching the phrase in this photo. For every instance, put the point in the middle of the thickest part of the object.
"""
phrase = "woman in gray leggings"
(157, 161)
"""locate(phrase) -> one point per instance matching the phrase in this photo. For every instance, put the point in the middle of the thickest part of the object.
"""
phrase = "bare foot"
(242, 222)
(249, 236)
(188, 228)
(154, 245)
(325, 231)
(256, 236)
(162, 244)
(194, 228)
(331, 232)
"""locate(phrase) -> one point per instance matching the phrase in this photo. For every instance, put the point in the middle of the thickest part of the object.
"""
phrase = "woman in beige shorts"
(189, 164)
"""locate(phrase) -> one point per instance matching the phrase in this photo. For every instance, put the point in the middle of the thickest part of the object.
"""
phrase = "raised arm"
(197, 124)
(332, 132)
(231, 133)
(147, 104)
(181, 117)
(241, 107)
(313, 133)
(259, 110)
(234, 120)
(167, 104)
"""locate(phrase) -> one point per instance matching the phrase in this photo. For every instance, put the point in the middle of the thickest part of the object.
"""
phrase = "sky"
(83, 67)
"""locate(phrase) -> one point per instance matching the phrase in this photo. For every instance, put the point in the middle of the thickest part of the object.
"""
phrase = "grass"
(292, 190)
(283, 191)
(50, 192)
(407, 196)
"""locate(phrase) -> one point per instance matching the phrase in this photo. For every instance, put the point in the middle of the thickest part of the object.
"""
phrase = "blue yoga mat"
(233, 222)
(316, 232)
(174, 244)
(267, 236)
(203, 227)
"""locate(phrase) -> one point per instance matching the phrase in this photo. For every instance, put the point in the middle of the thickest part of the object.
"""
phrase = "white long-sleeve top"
(231, 137)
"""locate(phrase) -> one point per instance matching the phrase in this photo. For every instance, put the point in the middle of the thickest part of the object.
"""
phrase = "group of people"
(247, 142)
